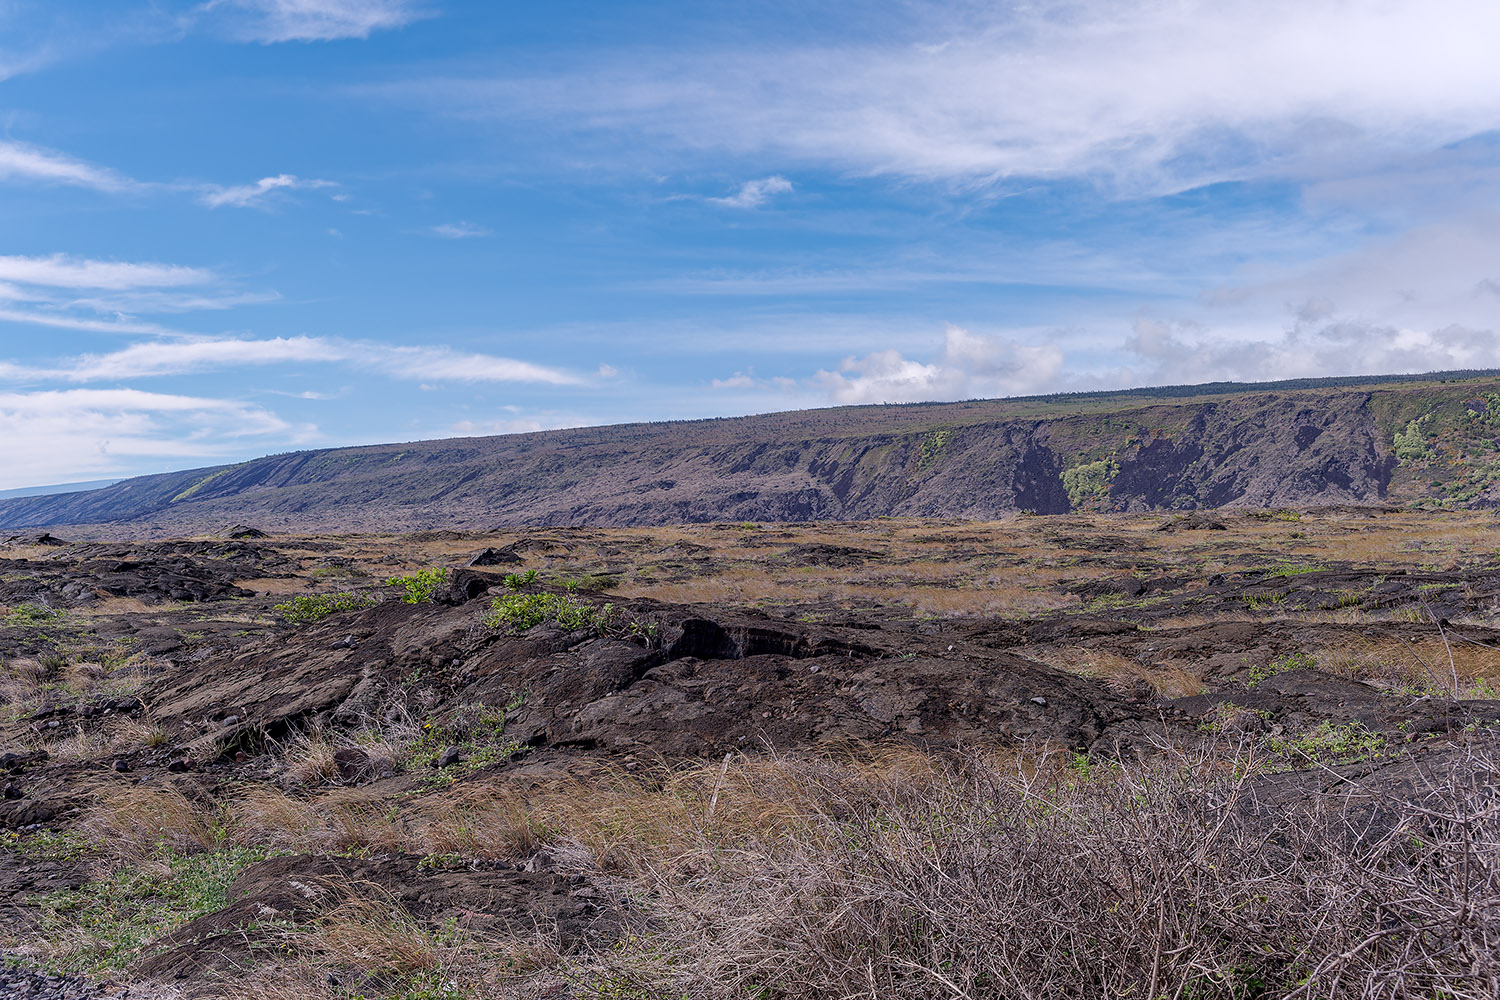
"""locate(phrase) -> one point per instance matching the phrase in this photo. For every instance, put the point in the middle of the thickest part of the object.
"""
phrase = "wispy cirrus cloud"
(459, 231)
(65, 271)
(271, 21)
(753, 194)
(260, 193)
(62, 291)
(20, 161)
(1141, 98)
(182, 356)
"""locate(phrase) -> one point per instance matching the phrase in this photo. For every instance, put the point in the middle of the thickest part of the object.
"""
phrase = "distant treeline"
(1285, 385)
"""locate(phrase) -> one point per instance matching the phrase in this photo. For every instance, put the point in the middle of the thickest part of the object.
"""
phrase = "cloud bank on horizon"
(241, 226)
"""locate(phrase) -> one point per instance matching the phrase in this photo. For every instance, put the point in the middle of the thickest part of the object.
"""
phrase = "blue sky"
(237, 227)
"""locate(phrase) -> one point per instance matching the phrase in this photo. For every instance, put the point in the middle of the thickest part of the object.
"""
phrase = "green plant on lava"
(419, 587)
(1281, 665)
(515, 581)
(517, 613)
(305, 609)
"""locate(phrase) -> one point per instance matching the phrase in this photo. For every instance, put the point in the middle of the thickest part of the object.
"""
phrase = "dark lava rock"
(1197, 520)
(834, 556)
(448, 758)
(182, 765)
(16, 761)
(17, 982)
(466, 584)
(244, 531)
(353, 764)
(495, 557)
(121, 766)
(489, 899)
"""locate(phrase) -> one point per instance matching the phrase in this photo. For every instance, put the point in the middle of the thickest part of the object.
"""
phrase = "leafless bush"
(992, 877)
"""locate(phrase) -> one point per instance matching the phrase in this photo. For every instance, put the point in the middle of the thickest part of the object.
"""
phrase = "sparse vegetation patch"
(307, 608)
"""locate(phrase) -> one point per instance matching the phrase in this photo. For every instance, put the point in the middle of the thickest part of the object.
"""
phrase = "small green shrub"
(477, 731)
(518, 613)
(583, 583)
(1328, 743)
(515, 581)
(306, 608)
(420, 587)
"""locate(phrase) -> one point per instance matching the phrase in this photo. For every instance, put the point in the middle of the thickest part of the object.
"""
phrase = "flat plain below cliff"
(1432, 440)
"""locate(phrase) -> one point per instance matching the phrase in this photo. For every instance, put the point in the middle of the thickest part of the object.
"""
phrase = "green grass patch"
(108, 924)
(1281, 665)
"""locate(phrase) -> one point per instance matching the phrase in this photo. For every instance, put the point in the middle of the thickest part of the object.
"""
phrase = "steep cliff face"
(970, 460)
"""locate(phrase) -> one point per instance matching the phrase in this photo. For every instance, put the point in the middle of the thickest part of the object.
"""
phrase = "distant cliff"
(1291, 444)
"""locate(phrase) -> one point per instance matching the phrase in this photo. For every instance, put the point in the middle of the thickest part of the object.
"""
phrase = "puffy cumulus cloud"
(65, 435)
(753, 194)
(1148, 96)
(970, 366)
(259, 193)
(270, 21)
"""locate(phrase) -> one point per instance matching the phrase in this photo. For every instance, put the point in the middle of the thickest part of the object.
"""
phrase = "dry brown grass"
(137, 821)
(1424, 666)
(1127, 676)
(372, 932)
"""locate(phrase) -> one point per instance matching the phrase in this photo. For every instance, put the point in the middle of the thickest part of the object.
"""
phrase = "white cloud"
(269, 21)
(100, 296)
(1146, 97)
(24, 162)
(459, 231)
(250, 195)
(1168, 352)
(448, 365)
(969, 367)
(58, 435)
(753, 194)
(64, 321)
(63, 271)
(520, 424)
(185, 355)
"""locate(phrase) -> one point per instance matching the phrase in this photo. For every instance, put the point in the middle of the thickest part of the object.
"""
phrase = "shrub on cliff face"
(1090, 483)
(1411, 444)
